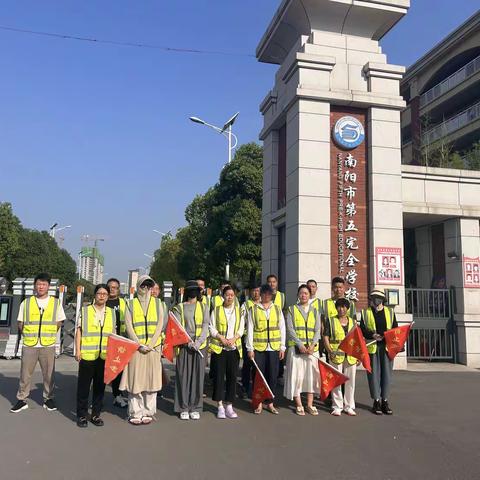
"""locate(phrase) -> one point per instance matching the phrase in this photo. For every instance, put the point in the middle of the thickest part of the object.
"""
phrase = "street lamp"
(160, 233)
(226, 131)
(54, 229)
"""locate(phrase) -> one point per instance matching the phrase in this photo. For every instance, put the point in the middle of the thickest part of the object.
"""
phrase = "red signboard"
(388, 265)
(471, 272)
(348, 204)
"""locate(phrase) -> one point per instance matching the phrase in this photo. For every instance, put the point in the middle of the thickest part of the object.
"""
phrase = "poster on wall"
(471, 272)
(388, 261)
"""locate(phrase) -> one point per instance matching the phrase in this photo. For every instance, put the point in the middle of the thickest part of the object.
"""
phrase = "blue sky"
(98, 136)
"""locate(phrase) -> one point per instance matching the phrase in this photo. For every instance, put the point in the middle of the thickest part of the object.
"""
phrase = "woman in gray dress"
(193, 315)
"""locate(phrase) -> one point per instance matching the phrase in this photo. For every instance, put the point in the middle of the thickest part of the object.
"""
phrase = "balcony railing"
(452, 81)
(452, 124)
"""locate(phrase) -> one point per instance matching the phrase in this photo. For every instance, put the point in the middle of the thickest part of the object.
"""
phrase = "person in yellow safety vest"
(226, 330)
(119, 306)
(278, 297)
(142, 377)
(206, 299)
(97, 323)
(336, 329)
(303, 335)
(376, 320)
(248, 367)
(217, 300)
(338, 291)
(39, 319)
(191, 358)
(266, 340)
(314, 301)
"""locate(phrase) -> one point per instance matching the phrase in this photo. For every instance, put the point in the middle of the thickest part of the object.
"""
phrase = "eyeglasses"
(102, 294)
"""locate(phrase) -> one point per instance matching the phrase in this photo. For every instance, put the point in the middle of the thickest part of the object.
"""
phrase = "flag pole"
(263, 378)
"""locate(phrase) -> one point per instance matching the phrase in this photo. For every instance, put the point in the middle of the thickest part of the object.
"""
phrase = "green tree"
(165, 263)
(10, 233)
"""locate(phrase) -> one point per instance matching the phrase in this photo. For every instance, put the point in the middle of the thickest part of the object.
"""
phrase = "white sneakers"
(226, 412)
(195, 415)
(120, 401)
(184, 416)
(191, 415)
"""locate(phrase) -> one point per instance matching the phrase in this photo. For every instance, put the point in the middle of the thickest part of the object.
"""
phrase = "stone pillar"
(308, 196)
(462, 236)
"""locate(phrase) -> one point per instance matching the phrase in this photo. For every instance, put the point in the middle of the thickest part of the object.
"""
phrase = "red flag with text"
(330, 378)
(261, 391)
(175, 335)
(119, 352)
(354, 345)
(395, 339)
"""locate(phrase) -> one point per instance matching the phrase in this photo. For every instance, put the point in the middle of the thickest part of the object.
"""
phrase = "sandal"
(312, 410)
(272, 409)
(258, 410)
(147, 420)
(300, 411)
(134, 421)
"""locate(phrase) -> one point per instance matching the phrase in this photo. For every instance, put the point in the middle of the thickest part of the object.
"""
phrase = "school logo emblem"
(348, 133)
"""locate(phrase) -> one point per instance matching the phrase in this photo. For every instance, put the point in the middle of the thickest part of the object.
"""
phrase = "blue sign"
(348, 133)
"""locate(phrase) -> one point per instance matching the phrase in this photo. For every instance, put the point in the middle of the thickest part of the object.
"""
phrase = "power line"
(125, 44)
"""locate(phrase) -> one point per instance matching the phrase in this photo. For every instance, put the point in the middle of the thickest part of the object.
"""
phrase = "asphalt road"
(432, 435)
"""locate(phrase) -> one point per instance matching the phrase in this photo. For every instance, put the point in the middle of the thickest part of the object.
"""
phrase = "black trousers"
(224, 383)
(116, 385)
(247, 370)
(90, 372)
(269, 364)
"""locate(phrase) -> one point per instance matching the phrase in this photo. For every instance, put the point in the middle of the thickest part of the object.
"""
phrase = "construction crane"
(91, 238)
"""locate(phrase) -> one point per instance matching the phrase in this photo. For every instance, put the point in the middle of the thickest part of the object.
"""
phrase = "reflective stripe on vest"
(317, 304)
(39, 326)
(198, 317)
(221, 325)
(94, 336)
(279, 300)
(304, 329)
(122, 306)
(369, 320)
(330, 310)
(266, 331)
(146, 325)
(337, 334)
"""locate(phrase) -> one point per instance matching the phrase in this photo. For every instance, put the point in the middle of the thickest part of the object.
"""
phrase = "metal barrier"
(432, 336)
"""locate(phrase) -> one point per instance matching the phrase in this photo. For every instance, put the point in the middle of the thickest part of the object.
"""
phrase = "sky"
(97, 135)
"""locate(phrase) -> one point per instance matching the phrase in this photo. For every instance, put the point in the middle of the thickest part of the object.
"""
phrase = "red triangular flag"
(261, 391)
(175, 335)
(354, 345)
(330, 378)
(395, 339)
(119, 352)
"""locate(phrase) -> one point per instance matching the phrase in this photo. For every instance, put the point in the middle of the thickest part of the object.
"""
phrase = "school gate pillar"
(332, 161)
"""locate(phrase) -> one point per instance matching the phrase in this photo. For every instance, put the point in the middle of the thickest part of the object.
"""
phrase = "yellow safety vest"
(317, 304)
(221, 326)
(206, 300)
(266, 331)
(94, 336)
(145, 325)
(198, 316)
(337, 334)
(279, 300)
(369, 320)
(330, 310)
(304, 329)
(39, 326)
(122, 305)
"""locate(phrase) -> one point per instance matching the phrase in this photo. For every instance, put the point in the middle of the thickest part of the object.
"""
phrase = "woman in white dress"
(303, 335)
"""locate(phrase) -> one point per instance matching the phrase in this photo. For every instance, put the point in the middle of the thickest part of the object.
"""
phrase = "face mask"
(377, 301)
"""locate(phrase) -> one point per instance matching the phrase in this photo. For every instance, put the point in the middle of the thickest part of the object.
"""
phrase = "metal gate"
(432, 337)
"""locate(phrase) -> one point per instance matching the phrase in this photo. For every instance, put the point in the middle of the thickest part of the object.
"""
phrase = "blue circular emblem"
(348, 133)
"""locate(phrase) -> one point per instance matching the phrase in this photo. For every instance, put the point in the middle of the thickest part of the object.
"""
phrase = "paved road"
(433, 435)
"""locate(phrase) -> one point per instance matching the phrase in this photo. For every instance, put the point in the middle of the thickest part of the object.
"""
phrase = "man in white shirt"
(39, 319)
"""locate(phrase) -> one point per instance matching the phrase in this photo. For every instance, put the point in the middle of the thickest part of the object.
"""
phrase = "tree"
(10, 232)
(224, 224)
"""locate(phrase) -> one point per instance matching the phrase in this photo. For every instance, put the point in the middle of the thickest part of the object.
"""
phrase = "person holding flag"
(303, 335)
(194, 317)
(226, 330)
(119, 306)
(142, 377)
(336, 328)
(376, 320)
(266, 340)
(97, 322)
